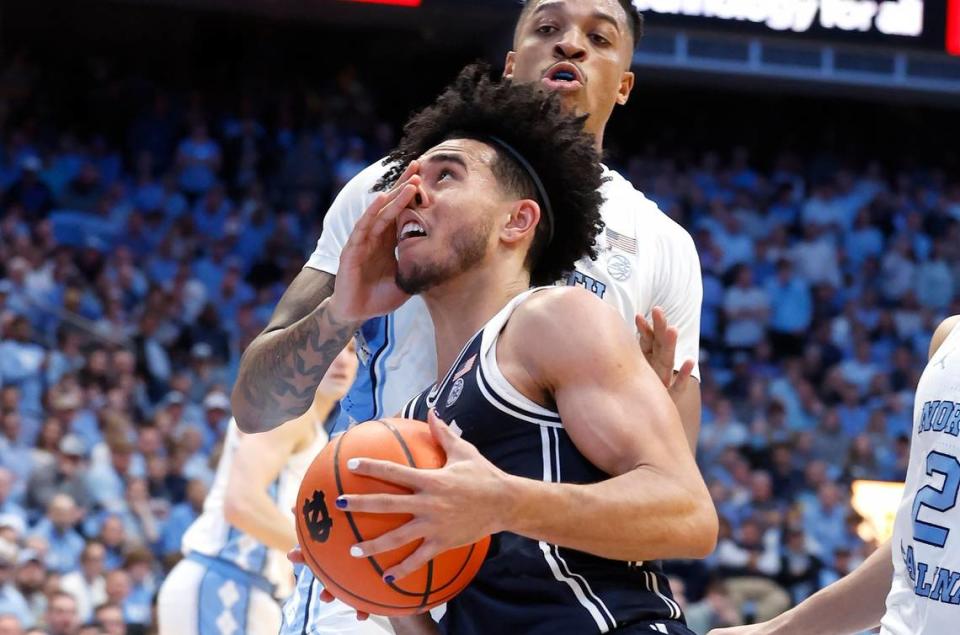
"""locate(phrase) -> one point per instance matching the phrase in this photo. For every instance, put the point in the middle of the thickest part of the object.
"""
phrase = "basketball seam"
(330, 581)
(412, 463)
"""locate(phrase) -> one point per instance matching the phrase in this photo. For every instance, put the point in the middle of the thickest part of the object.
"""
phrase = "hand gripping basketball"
(366, 284)
(394, 515)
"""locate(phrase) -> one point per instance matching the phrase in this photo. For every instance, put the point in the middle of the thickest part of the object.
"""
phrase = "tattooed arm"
(280, 370)
(282, 367)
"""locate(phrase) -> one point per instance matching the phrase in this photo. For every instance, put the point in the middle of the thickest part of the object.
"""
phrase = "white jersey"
(925, 593)
(212, 535)
(645, 260)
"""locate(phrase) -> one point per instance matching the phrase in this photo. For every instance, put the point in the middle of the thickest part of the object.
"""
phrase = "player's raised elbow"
(704, 529)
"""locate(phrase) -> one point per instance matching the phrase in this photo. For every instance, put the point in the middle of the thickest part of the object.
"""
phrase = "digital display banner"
(928, 24)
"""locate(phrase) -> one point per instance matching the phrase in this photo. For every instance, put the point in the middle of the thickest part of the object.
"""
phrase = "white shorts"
(305, 614)
(197, 600)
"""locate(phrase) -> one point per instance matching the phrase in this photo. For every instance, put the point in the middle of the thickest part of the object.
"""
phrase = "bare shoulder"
(946, 327)
(566, 322)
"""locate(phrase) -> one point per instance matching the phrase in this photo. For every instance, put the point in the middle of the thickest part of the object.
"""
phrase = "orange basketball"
(326, 533)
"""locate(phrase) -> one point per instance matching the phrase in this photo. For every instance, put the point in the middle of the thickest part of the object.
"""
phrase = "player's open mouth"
(410, 229)
(563, 77)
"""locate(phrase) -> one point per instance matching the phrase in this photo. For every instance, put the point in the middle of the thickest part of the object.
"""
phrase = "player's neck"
(459, 308)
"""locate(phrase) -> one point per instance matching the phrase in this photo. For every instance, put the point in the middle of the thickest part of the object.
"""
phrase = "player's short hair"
(534, 124)
(634, 19)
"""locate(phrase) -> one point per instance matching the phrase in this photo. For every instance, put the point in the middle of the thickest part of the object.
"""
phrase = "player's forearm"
(280, 370)
(688, 405)
(659, 516)
(414, 625)
(254, 513)
(850, 605)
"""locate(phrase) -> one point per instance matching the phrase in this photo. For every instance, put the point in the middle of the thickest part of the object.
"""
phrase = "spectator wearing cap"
(10, 624)
(31, 578)
(66, 475)
(11, 600)
(64, 544)
(216, 413)
(204, 373)
(88, 584)
(66, 405)
(181, 517)
(61, 617)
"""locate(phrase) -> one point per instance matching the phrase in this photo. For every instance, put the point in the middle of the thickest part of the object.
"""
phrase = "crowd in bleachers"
(136, 265)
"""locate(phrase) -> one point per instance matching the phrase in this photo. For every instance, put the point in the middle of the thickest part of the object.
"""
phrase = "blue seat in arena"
(80, 229)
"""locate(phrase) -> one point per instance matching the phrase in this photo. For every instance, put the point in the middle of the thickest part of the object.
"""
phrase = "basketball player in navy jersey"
(562, 442)
(583, 50)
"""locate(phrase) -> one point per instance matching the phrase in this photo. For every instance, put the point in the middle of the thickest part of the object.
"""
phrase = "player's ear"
(522, 222)
(509, 64)
(626, 87)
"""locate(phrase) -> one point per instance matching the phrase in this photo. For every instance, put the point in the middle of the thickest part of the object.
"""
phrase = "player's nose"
(571, 47)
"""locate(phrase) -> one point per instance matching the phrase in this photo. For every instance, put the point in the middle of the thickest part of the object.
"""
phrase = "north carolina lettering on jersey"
(940, 416)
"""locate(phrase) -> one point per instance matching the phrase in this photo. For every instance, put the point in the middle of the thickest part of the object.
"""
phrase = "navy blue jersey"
(529, 586)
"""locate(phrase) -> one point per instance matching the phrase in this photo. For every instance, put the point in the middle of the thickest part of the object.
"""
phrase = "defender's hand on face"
(453, 506)
(366, 279)
(659, 345)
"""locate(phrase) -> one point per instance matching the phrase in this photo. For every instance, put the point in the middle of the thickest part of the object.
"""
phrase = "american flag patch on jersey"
(621, 242)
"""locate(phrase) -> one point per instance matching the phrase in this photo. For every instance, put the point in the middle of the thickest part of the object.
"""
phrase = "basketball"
(326, 533)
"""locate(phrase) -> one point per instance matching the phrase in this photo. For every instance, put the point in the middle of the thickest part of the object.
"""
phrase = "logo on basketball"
(619, 268)
(455, 392)
(317, 517)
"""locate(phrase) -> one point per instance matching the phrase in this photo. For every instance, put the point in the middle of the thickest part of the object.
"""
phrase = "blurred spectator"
(65, 474)
(56, 529)
(198, 161)
(31, 576)
(11, 600)
(29, 190)
(111, 617)
(61, 617)
(791, 311)
(87, 585)
(181, 517)
(714, 610)
(10, 625)
(746, 308)
(750, 563)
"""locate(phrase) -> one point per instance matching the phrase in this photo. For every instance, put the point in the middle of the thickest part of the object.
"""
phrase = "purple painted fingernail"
(388, 579)
(342, 502)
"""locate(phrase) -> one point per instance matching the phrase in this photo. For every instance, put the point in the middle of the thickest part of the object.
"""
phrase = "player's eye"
(599, 40)
(546, 29)
(443, 174)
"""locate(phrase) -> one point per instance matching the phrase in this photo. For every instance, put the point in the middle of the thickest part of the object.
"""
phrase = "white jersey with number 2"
(925, 594)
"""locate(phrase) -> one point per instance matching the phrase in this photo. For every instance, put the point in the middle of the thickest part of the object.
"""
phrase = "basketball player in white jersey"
(582, 49)
(918, 570)
(235, 572)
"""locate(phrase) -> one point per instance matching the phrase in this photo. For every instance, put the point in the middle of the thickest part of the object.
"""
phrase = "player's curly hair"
(534, 123)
